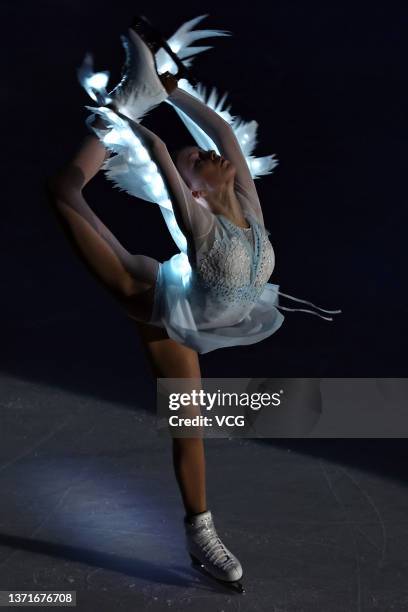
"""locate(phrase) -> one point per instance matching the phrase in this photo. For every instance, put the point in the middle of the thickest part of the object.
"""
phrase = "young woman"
(224, 301)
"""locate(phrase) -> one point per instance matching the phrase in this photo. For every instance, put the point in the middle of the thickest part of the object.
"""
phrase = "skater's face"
(204, 170)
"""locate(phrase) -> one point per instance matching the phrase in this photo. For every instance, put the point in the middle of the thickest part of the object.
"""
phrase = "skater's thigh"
(168, 358)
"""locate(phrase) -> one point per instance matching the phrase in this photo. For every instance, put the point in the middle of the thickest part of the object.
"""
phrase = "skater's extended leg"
(129, 278)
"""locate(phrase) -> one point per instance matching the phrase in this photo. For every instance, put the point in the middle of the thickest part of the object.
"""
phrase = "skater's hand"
(169, 81)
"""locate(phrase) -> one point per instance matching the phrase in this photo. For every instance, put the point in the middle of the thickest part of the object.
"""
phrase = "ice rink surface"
(90, 504)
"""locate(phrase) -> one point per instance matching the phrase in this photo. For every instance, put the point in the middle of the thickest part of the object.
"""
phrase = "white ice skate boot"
(208, 552)
(140, 89)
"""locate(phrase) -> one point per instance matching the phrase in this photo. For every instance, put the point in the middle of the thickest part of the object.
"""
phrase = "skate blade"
(235, 585)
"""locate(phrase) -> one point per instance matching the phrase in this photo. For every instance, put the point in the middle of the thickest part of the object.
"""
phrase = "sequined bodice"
(239, 263)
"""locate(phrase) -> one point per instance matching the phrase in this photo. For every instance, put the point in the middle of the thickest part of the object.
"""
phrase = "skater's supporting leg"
(189, 467)
(169, 359)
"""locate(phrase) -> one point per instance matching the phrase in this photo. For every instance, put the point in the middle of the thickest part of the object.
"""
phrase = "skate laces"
(213, 547)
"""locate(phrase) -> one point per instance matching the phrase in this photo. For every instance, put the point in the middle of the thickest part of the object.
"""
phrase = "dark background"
(326, 83)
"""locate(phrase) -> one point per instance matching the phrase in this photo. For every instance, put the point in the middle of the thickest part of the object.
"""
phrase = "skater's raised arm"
(223, 136)
(195, 221)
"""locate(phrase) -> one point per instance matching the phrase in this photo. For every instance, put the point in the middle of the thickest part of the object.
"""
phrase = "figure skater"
(214, 294)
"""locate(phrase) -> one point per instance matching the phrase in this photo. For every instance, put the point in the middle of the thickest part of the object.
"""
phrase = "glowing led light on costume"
(167, 67)
(112, 137)
(157, 185)
(143, 155)
(185, 267)
(98, 81)
(181, 267)
(167, 204)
